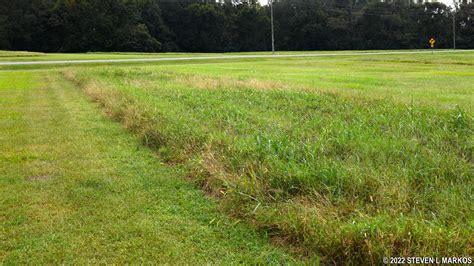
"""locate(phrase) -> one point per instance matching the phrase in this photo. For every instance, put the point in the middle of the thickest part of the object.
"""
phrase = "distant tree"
(17, 23)
(107, 25)
(229, 25)
(150, 15)
(136, 38)
(172, 13)
(4, 43)
(465, 26)
(434, 20)
(341, 34)
(300, 26)
(203, 29)
(386, 26)
(250, 28)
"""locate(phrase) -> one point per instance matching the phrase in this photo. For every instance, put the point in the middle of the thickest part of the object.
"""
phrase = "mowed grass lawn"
(76, 188)
(350, 159)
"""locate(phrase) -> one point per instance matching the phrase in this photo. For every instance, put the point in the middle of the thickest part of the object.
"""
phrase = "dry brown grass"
(204, 82)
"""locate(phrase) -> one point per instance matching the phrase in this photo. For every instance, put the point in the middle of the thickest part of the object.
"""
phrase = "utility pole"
(273, 31)
(454, 24)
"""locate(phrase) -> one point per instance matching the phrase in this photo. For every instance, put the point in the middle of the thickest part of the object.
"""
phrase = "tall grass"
(349, 180)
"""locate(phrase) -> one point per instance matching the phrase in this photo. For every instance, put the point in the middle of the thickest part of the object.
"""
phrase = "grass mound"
(347, 179)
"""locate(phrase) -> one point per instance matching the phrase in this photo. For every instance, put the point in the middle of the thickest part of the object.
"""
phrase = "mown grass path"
(77, 188)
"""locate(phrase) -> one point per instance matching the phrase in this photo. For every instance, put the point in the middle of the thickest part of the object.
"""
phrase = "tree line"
(228, 26)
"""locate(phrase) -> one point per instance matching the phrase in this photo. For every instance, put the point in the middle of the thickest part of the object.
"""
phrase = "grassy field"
(344, 158)
(9, 56)
(76, 188)
(31, 56)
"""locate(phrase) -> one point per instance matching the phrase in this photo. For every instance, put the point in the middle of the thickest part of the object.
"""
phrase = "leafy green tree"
(4, 44)
(230, 25)
(250, 28)
(434, 20)
(465, 26)
(385, 26)
(136, 38)
(151, 17)
(203, 29)
(300, 26)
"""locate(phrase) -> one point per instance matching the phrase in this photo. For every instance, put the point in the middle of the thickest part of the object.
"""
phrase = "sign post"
(432, 42)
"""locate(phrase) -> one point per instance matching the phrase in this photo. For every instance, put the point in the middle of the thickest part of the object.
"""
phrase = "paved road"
(219, 57)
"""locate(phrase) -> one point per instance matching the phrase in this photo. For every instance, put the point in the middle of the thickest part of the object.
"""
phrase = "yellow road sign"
(432, 42)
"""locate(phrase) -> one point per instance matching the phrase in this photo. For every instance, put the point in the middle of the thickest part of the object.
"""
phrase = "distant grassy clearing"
(75, 188)
(352, 159)
(13, 56)
(444, 79)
